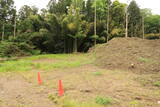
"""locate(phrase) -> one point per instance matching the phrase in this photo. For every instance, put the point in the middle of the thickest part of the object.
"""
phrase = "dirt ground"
(128, 85)
(79, 83)
(135, 54)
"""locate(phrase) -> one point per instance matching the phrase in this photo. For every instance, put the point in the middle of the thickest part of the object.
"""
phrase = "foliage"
(10, 49)
(67, 26)
(152, 36)
(13, 49)
(152, 23)
(134, 19)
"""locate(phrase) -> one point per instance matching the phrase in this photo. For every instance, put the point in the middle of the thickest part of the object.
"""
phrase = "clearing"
(88, 80)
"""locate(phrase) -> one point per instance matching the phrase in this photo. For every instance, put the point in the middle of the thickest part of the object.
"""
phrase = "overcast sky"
(152, 4)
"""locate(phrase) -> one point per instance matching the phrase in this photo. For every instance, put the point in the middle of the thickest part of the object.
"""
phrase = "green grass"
(134, 103)
(145, 60)
(53, 98)
(12, 66)
(103, 100)
(50, 56)
(67, 102)
(97, 73)
(73, 103)
(57, 56)
(157, 83)
(27, 64)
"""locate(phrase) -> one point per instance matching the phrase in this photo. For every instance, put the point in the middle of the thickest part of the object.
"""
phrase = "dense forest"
(67, 26)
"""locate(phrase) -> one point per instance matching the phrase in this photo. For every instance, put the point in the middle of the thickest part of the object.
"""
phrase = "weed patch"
(145, 60)
(157, 83)
(97, 73)
(67, 102)
(134, 103)
(103, 100)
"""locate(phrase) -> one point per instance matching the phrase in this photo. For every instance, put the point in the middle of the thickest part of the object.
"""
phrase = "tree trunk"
(95, 23)
(143, 26)
(64, 44)
(95, 42)
(108, 22)
(132, 30)
(75, 45)
(15, 27)
(3, 33)
(126, 34)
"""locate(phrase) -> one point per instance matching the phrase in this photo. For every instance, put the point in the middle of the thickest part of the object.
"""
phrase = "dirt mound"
(129, 54)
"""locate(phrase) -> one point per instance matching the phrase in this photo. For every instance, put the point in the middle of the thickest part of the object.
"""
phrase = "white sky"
(152, 4)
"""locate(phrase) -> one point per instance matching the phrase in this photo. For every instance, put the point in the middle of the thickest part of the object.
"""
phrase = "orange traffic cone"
(61, 91)
(39, 79)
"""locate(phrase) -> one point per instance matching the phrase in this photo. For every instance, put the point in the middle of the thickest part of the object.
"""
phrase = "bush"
(13, 49)
(25, 37)
(9, 49)
(152, 36)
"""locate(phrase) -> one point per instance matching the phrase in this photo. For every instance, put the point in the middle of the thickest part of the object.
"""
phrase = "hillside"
(129, 54)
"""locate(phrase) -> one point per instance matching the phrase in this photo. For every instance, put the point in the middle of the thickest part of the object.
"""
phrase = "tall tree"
(89, 12)
(24, 12)
(7, 12)
(134, 19)
(108, 18)
(145, 13)
(72, 22)
(117, 25)
(59, 7)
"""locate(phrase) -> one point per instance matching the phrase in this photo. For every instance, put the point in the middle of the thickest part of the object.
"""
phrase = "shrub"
(94, 37)
(14, 49)
(10, 49)
(152, 36)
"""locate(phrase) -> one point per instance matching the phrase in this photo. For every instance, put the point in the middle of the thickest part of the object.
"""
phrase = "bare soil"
(135, 54)
(80, 83)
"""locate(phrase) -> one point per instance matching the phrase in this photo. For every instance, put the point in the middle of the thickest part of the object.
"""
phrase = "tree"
(145, 13)
(59, 7)
(72, 23)
(152, 24)
(89, 13)
(55, 40)
(24, 12)
(7, 12)
(108, 20)
(95, 22)
(134, 19)
(99, 10)
(117, 25)
(28, 19)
